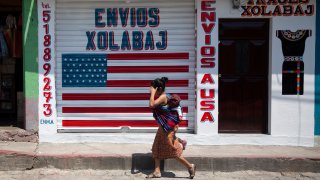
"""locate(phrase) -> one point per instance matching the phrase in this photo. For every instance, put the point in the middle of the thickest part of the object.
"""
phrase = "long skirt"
(161, 148)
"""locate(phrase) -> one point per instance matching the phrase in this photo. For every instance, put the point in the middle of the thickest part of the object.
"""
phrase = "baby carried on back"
(170, 115)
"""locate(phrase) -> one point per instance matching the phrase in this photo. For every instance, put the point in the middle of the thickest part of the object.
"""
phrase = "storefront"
(242, 59)
(11, 64)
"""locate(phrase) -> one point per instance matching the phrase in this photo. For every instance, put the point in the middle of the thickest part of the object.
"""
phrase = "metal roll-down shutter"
(101, 88)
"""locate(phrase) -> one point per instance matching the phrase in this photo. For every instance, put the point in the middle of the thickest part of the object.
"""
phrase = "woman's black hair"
(160, 83)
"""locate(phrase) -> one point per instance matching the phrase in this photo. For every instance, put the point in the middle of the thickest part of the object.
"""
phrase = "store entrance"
(11, 64)
(243, 75)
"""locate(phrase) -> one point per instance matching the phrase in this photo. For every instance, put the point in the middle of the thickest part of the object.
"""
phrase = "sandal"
(192, 171)
(154, 175)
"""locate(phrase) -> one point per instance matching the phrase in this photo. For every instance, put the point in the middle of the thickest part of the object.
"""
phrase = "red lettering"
(207, 63)
(288, 10)
(310, 10)
(48, 110)
(207, 39)
(299, 11)
(256, 10)
(207, 105)
(48, 96)
(208, 16)
(208, 28)
(207, 116)
(246, 11)
(203, 94)
(207, 51)
(47, 86)
(207, 78)
(264, 11)
(206, 5)
(277, 11)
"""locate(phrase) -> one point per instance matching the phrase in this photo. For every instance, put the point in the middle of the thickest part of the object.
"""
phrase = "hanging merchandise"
(11, 22)
(3, 45)
(13, 37)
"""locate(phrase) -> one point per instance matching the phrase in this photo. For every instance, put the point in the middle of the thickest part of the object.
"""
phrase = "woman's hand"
(171, 141)
(153, 90)
(162, 99)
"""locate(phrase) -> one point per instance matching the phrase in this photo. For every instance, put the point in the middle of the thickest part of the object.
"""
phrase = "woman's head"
(160, 83)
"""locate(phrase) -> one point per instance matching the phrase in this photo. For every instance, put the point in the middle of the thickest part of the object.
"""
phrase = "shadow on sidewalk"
(144, 163)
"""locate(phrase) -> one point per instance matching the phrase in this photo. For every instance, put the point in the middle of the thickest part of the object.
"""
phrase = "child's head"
(174, 101)
(160, 83)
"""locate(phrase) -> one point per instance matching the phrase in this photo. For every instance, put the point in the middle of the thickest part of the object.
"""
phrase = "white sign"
(207, 89)
(46, 58)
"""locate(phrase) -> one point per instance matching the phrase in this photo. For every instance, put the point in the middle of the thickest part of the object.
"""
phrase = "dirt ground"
(18, 135)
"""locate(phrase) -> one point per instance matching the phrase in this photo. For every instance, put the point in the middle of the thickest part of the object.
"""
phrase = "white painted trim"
(46, 29)
(207, 125)
(193, 139)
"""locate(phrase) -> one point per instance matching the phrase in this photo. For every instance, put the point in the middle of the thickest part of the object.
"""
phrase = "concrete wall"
(30, 66)
(317, 88)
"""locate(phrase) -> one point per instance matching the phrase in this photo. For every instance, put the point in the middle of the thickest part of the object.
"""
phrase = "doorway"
(11, 64)
(243, 75)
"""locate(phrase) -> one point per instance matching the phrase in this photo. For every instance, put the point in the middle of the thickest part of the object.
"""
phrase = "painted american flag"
(84, 70)
(92, 71)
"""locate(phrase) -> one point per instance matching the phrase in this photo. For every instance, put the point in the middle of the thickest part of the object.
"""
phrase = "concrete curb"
(10, 160)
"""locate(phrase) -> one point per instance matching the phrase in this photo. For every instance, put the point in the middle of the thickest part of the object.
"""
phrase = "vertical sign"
(46, 61)
(206, 67)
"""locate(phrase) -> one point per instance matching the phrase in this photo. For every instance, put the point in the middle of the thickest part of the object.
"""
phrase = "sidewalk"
(137, 157)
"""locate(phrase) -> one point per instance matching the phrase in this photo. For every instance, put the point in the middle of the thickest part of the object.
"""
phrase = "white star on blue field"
(84, 70)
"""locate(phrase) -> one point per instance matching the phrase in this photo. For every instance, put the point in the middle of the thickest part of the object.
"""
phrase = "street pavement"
(57, 174)
(137, 157)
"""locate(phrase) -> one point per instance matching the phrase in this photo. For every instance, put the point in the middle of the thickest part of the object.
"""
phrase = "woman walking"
(165, 146)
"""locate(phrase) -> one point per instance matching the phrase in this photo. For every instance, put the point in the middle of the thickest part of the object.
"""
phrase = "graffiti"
(293, 46)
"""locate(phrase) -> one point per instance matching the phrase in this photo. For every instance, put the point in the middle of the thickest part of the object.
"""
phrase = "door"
(11, 64)
(243, 75)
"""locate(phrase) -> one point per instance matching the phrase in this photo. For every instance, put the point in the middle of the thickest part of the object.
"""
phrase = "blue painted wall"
(317, 90)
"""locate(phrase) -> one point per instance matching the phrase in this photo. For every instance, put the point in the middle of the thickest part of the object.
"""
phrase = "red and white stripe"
(124, 102)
